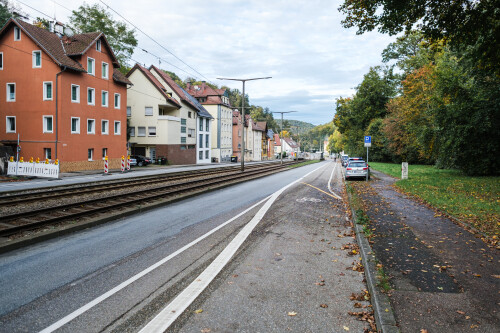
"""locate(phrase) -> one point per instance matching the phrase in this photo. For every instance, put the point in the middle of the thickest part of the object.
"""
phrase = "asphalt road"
(43, 283)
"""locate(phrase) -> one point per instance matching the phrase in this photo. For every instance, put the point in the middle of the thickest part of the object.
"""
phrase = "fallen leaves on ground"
(368, 317)
(292, 313)
(324, 306)
(198, 311)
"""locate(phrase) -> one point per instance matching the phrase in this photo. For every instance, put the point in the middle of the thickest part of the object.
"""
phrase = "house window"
(206, 154)
(47, 91)
(129, 111)
(117, 128)
(90, 154)
(90, 66)
(148, 110)
(11, 124)
(90, 126)
(200, 155)
(47, 124)
(201, 124)
(104, 127)
(206, 140)
(37, 59)
(11, 92)
(152, 131)
(201, 140)
(183, 129)
(98, 45)
(183, 139)
(90, 96)
(17, 33)
(141, 131)
(117, 101)
(104, 152)
(191, 132)
(183, 121)
(189, 114)
(1, 60)
(48, 153)
(75, 125)
(104, 98)
(75, 93)
(105, 70)
(207, 126)
(131, 131)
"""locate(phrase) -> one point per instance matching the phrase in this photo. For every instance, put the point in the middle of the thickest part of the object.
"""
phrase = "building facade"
(216, 102)
(63, 96)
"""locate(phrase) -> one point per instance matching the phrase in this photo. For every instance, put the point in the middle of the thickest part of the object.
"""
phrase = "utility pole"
(281, 132)
(243, 115)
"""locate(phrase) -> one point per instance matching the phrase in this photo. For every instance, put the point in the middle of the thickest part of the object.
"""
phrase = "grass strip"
(473, 200)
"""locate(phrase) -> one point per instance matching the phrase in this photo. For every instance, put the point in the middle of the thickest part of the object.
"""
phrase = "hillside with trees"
(436, 98)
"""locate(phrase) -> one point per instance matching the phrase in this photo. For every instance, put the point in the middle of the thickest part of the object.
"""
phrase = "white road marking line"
(172, 311)
(63, 321)
(330, 181)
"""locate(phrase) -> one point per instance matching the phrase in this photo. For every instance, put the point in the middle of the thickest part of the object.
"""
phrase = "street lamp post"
(281, 134)
(243, 115)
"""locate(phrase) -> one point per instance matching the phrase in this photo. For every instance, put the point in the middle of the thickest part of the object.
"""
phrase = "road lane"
(40, 284)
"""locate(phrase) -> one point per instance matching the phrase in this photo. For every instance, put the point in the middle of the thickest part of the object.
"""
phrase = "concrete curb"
(384, 315)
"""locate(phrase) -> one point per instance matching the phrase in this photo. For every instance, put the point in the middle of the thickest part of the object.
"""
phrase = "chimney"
(203, 83)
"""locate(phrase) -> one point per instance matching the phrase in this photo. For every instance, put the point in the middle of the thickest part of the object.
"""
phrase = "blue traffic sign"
(368, 139)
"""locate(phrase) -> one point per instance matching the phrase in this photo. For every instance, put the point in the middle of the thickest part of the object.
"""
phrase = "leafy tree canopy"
(92, 18)
(8, 10)
(469, 24)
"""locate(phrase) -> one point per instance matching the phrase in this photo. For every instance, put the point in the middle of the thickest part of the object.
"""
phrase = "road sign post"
(368, 143)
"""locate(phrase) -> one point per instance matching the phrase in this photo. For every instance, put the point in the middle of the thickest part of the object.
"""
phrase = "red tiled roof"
(291, 143)
(213, 96)
(174, 86)
(277, 139)
(62, 49)
(262, 125)
(154, 81)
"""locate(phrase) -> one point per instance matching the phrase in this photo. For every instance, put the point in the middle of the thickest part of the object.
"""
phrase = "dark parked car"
(141, 160)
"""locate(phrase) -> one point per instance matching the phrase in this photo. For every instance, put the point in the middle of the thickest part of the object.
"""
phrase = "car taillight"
(365, 168)
(349, 169)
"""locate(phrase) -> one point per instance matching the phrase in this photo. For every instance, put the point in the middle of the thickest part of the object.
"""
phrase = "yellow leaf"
(198, 311)
(346, 328)
(292, 313)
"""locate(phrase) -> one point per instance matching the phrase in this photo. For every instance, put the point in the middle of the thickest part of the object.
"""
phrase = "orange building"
(63, 95)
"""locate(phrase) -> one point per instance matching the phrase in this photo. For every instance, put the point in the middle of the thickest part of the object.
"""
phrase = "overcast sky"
(300, 43)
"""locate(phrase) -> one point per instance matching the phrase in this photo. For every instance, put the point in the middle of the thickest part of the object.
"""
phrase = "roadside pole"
(368, 143)
(17, 154)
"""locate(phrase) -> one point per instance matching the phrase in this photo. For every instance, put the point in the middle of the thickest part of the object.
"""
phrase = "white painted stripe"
(330, 181)
(88, 306)
(172, 311)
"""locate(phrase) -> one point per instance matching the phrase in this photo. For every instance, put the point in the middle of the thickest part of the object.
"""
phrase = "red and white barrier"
(106, 165)
(128, 163)
(123, 163)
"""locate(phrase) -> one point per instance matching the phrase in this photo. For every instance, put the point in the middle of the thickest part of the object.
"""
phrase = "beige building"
(162, 119)
(216, 102)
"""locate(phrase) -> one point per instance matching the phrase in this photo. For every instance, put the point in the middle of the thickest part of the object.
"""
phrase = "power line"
(153, 40)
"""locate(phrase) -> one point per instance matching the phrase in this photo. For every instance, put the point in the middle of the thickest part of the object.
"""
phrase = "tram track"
(166, 190)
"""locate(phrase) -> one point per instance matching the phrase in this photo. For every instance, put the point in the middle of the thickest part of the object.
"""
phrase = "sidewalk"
(443, 278)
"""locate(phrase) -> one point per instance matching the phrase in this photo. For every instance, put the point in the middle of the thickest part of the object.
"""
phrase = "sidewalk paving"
(443, 278)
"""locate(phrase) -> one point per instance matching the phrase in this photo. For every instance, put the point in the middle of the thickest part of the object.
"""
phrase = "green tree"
(8, 10)
(92, 18)
(467, 24)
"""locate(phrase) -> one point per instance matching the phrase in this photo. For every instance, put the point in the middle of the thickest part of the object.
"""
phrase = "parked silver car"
(357, 169)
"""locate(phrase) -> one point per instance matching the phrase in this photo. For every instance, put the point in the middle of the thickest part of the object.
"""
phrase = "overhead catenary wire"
(110, 8)
(160, 59)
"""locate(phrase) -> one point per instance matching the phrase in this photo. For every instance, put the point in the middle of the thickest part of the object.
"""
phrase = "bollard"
(106, 164)
(128, 163)
(123, 163)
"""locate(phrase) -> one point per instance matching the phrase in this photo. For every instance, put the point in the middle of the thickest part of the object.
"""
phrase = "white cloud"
(300, 43)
